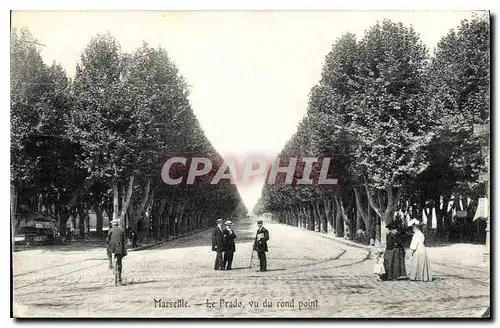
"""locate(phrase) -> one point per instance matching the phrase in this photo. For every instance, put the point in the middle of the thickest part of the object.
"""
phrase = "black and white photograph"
(250, 164)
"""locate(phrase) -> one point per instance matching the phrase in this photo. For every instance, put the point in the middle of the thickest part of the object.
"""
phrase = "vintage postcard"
(250, 164)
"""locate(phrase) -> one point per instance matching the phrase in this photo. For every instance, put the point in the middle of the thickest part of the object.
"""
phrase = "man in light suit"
(218, 244)
(260, 245)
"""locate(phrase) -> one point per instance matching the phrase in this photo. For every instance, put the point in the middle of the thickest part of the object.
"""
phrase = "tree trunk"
(126, 201)
(338, 217)
(87, 220)
(428, 215)
(81, 221)
(198, 219)
(182, 218)
(295, 216)
(317, 217)
(345, 218)
(318, 227)
(99, 221)
(178, 222)
(63, 220)
(305, 214)
(14, 194)
(328, 211)
(161, 219)
(310, 210)
(386, 214)
(359, 222)
(40, 202)
(436, 202)
(137, 212)
(364, 214)
(301, 216)
(115, 201)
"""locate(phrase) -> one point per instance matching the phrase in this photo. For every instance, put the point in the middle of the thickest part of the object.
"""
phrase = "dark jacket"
(116, 241)
(394, 241)
(217, 240)
(229, 245)
(261, 245)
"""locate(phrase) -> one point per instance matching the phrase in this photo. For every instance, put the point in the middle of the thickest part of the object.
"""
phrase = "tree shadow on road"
(74, 246)
(138, 282)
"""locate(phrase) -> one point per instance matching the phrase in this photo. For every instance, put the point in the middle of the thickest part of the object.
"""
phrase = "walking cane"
(251, 259)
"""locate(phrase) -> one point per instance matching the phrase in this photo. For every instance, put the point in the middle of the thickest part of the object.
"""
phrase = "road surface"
(310, 275)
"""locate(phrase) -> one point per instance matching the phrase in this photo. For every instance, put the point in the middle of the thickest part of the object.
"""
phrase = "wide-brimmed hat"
(219, 221)
(228, 222)
(114, 221)
(414, 223)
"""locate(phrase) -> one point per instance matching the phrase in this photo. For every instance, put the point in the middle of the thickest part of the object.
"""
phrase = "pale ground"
(306, 267)
(468, 255)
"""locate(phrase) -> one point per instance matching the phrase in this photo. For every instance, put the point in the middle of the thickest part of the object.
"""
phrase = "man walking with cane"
(260, 245)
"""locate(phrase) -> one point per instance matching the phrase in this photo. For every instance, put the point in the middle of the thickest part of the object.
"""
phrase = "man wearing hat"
(218, 244)
(229, 245)
(260, 245)
(116, 244)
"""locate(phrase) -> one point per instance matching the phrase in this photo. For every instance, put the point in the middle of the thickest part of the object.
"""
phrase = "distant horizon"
(250, 72)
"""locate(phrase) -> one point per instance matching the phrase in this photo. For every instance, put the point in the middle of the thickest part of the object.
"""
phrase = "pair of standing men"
(223, 243)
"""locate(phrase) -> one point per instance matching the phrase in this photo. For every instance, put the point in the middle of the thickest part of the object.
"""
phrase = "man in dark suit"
(260, 245)
(116, 244)
(218, 244)
(229, 245)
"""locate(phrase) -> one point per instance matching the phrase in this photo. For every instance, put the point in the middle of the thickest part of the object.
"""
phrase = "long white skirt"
(420, 266)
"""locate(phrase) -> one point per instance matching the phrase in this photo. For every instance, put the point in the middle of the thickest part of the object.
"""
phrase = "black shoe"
(229, 269)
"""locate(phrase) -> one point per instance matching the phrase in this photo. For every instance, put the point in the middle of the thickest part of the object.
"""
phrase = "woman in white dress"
(419, 263)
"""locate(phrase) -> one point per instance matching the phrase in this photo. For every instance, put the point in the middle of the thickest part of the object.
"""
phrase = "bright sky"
(250, 72)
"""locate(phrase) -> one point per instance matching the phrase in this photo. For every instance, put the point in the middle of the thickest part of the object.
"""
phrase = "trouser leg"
(228, 258)
(261, 260)
(218, 261)
(222, 255)
(119, 259)
(110, 259)
(230, 264)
